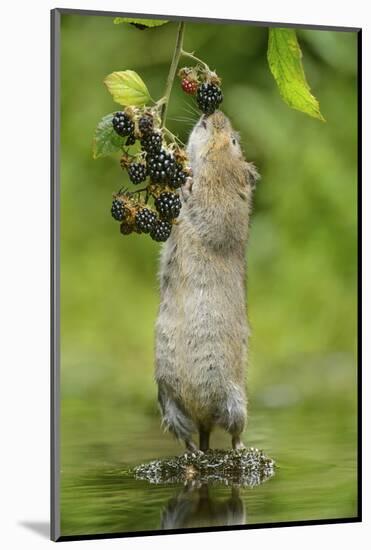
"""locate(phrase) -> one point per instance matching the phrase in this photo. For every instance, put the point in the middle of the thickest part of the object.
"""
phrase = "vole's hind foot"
(191, 447)
(237, 443)
(204, 440)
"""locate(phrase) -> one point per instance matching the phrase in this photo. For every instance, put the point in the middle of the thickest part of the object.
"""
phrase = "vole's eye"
(234, 141)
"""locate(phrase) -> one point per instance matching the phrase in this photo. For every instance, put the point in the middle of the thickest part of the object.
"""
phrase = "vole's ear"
(252, 175)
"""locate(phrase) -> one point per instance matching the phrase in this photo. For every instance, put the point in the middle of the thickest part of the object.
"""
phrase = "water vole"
(201, 329)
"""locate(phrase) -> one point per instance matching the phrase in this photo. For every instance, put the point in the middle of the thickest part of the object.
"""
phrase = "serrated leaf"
(140, 23)
(127, 88)
(106, 140)
(284, 58)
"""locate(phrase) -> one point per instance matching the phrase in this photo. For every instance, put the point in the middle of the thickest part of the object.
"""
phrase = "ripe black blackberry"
(178, 177)
(126, 228)
(160, 166)
(118, 210)
(152, 143)
(122, 124)
(168, 205)
(145, 125)
(209, 97)
(161, 231)
(145, 219)
(130, 140)
(137, 172)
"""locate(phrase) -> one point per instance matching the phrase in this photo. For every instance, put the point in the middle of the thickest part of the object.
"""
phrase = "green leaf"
(106, 141)
(140, 23)
(284, 58)
(127, 88)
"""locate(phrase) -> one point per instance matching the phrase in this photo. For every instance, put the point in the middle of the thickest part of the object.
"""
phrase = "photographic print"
(205, 199)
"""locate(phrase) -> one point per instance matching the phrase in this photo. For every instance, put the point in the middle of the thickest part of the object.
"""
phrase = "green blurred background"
(302, 278)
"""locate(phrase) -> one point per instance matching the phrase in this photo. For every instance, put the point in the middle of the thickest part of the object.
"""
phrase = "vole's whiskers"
(191, 109)
(188, 121)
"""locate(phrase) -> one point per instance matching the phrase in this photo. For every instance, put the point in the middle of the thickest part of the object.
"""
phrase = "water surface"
(311, 437)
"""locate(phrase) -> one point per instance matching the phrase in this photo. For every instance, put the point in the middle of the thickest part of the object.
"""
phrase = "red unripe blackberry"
(160, 166)
(168, 205)
(161, 231)
(137, 172)
(122, 124)
(145, 219)
(189, 86)
(209, 97)
(152, 143)
(118, 210)
(145, 124)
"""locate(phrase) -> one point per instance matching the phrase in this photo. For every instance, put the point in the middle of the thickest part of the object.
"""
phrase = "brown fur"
(202, 331)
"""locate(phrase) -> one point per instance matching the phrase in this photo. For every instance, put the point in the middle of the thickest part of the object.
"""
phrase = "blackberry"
(122, 124)
(168, 205)
(189, 86)
(126, 228)
(160, 166)
(161, 231)
(178, 177)
(145, 125)
(209, 97)
(145, 219)
(118, 210)
(152, 143)
(137, 172)
(130, 140)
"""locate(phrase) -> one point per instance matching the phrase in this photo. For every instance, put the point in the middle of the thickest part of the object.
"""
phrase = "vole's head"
(222, 184)
(213, 140)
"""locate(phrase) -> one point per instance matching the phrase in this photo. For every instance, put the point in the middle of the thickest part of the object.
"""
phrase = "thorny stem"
(172, 72)
(194, 58)
(138, 191)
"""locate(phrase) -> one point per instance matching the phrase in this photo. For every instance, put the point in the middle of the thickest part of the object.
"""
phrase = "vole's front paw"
(186, 189)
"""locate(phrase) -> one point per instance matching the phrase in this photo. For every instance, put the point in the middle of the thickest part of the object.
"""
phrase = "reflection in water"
(196, 506)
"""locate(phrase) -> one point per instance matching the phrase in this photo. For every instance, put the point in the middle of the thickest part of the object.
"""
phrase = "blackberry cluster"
(161, 231)
(118, 210)
(160, 166)
(145, 220)
(209, 97)
(152, 143)
(168, 205)
(137, 172)
(122, 124)
(145, 125)
(166, 169)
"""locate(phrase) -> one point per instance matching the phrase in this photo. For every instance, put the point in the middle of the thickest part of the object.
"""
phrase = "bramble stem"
(194, 58)
(172, 72)
(138, 191)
